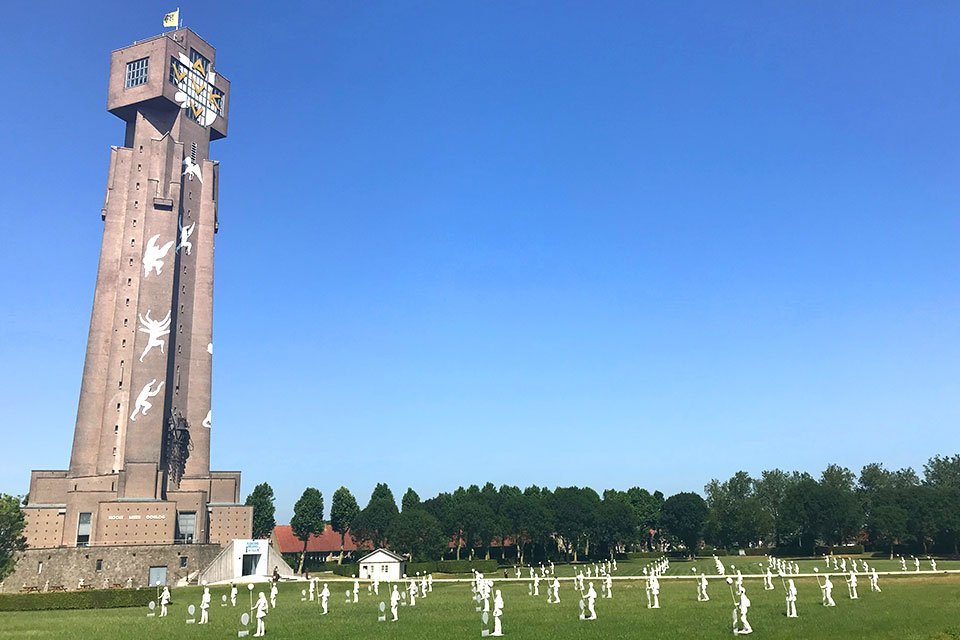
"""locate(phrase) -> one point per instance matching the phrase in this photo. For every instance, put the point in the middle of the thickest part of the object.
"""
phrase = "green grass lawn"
(909, 607)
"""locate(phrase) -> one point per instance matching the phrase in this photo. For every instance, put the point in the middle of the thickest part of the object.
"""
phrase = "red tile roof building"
(318, 546)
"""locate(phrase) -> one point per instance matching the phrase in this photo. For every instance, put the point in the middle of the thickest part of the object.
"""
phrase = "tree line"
(793, 511)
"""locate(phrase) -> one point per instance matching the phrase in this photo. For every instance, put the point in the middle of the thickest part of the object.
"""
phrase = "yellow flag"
(172, 19)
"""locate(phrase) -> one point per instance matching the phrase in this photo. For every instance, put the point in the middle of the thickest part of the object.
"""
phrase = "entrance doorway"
(250, 561)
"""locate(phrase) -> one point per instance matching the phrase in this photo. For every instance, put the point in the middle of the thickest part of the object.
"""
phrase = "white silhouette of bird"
(191, 168)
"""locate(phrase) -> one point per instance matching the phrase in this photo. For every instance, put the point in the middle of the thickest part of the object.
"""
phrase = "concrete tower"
(140, 467)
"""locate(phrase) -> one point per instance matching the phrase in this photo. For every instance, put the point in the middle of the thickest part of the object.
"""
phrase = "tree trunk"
(458, 546)
(303, 556)
(342, 536)
(520, 554)
(586, 548)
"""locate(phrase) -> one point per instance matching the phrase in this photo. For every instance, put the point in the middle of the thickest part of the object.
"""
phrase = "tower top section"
(174, 70)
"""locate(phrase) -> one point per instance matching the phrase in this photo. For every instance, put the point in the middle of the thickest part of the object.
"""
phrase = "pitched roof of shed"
(389, 553)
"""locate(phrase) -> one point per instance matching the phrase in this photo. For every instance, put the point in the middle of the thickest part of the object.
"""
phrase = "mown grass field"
(910, 606)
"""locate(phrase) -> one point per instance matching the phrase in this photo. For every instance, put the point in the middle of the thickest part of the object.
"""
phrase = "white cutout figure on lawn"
(828, 592)
(164, 601)
(916, 564)
(155, 330)
(261, 607)
(536, 583)
(205, 606)
(903, 563)
(933, 564)
(356, 591)
(311, 590)
(143, 404)
(233, 595)
(591, 602)
(852, 586)
(497, 613)
(702, 589)
(394, 603)
(153, 255)
(609, 582)
(556, 590)
(324, 598)
(791, 599)
(874, 581)
(768, 580)
(655, 591)
(273, 595)
(743, 608)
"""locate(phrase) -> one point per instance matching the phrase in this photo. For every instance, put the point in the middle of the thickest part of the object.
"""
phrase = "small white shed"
(382, 565)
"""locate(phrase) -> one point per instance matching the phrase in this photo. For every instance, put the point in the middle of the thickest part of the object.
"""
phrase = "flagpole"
(179, 19)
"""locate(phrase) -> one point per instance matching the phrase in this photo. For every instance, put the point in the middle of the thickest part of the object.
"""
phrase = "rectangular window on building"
(137, 72)
(83, 529)
(183, 562)
(99, 564)
(186, 527)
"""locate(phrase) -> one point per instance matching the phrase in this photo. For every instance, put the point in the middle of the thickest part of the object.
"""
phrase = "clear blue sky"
(604, 244)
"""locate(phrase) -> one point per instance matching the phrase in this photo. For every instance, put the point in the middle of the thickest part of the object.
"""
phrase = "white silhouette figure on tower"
(143, 403)
(153, 255)
(185, 233)
(191, 168)
(155, 329)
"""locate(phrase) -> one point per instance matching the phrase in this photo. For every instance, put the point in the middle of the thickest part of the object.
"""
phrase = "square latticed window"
(137, 72)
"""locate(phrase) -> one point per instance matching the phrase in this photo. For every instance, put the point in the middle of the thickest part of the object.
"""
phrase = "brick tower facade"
(140, 466)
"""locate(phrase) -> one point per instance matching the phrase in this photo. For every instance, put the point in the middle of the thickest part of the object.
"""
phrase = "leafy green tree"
(261, 499)
(530, 520)
(771, 492)
(575, 516)
(343, 513)
(508, 497)
(888, 518)
(942, 475)
(375, 519)
(683, 516)
(882, 500)
(307, 519)
(800, 515)
(923, 511)
(942, 471)
(736, 517)
(840, 509)
(616, 521)
(442, 508)
(417, 533)
(475, 517)
(647, 506)
(11, 532)
(410, 500)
